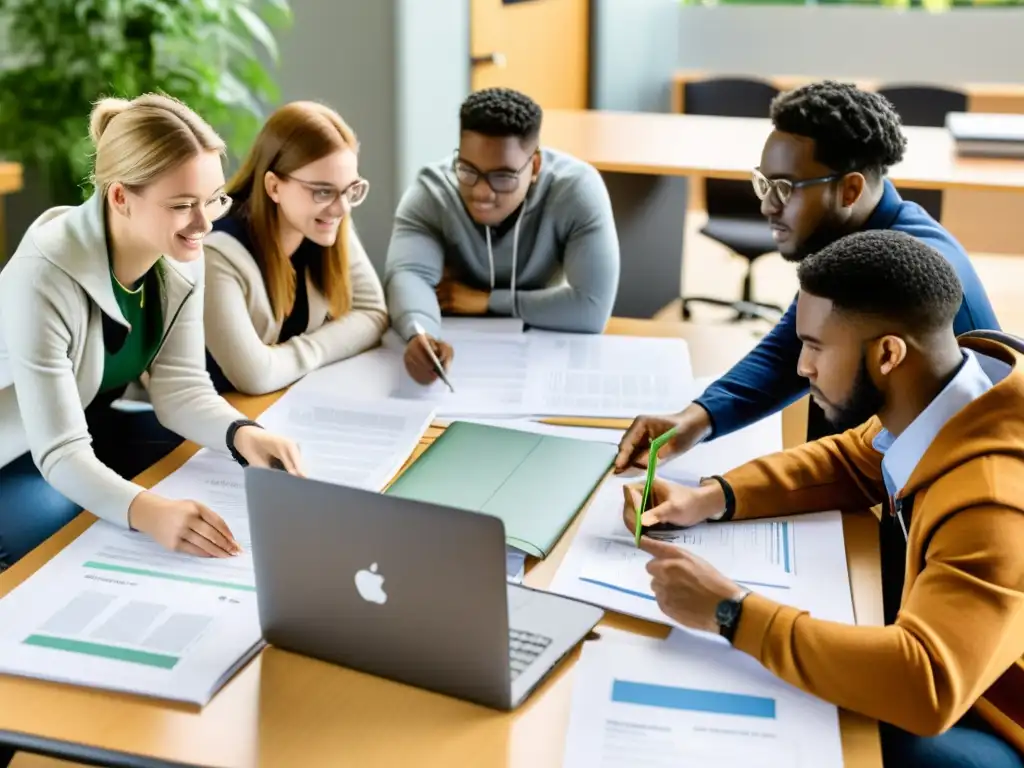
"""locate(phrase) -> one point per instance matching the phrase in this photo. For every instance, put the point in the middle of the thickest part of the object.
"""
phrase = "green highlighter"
(652, 461)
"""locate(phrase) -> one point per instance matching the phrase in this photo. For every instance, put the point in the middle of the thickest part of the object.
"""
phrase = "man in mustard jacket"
(935, 431)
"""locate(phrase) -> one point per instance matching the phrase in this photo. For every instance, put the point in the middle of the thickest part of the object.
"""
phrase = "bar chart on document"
(689, 701)
(756, 554)
(116, 610)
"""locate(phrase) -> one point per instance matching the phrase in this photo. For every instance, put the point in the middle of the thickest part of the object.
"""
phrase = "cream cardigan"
(54, 293)
(242, 333)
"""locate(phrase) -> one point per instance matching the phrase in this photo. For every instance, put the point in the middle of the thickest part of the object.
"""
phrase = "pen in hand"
(438, 368)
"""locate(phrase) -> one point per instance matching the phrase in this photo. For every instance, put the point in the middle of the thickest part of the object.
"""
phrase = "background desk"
(285, 709)
(1007, 98)
(646, 159)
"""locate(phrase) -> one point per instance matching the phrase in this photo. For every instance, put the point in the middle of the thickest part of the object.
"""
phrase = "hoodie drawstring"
(515, 256)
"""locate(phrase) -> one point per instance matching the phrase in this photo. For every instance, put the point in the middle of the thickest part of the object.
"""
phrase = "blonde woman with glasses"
(289, 286)
(101, 295)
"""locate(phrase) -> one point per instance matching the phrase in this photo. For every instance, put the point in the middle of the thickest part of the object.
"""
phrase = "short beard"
(827, 232)
(865, 401)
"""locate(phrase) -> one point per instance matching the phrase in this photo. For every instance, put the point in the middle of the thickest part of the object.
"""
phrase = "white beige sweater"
(53, 295)
(242, 333)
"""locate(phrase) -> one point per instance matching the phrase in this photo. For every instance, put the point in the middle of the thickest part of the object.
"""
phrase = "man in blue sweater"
(822, 176)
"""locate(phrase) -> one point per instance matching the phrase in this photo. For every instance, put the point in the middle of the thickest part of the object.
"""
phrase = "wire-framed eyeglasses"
(501, 181)
(781, 190)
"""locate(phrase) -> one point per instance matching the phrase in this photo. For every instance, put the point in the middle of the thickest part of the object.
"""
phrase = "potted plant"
(62, 55)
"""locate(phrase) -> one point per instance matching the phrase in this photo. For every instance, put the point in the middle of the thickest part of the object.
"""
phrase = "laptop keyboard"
(524, 648)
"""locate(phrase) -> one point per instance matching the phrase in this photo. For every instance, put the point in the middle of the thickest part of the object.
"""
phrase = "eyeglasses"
(326, 194)
(782, 189)
(213, 209)
(499, 181)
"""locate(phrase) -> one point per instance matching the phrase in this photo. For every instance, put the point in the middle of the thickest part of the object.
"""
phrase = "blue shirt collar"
(888, 208)
(902, 454)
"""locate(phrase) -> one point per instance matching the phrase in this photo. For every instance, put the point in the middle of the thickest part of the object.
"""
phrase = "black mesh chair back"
(734, 212)
(927, 106)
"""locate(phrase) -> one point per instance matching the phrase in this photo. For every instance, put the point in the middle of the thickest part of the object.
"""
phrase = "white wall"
(638, 44)
(635, 48)
(963, 45)
(397, 71)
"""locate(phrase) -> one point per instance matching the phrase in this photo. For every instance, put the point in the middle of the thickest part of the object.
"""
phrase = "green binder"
(535, 483)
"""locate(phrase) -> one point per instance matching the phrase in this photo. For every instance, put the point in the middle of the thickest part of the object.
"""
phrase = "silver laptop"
(397, 588)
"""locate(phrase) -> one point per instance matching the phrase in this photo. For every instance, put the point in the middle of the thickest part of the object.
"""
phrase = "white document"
(214, 480)
(482, 324)
(798, 561)
(489, 372)
(609, 376)
(106, 613)
(539, 373)
(370, 375)
(692, 701)
(610, 436)
(758, 555)
(358, 443)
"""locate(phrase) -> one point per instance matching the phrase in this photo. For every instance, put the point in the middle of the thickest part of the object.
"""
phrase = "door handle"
(497, 59)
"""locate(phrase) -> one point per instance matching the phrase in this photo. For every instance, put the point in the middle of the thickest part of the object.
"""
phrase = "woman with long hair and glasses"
(106, 294)
(289, 286)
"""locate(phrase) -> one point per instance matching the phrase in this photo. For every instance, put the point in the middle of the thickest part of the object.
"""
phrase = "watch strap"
(733, 608)
(230, 439)
(730, 499)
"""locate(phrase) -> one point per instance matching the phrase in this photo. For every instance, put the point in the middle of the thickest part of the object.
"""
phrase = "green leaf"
(277, 13)
(258, 29)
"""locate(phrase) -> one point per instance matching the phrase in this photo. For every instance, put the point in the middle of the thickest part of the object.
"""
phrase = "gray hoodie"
(557, 267)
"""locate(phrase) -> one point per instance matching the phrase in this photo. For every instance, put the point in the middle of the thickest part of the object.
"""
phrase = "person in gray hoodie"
(504, 227)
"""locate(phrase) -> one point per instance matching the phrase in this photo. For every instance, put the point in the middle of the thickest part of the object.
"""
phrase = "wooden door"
(539, 47)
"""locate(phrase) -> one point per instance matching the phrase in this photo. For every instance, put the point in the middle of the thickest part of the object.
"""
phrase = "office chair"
(926, 106)
(734, 212)
(1016, 343)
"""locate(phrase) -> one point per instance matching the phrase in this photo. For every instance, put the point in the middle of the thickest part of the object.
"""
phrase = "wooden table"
(10, 181)
(647, 160)
(286, 709)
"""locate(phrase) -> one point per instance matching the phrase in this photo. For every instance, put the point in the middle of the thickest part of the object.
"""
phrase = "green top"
(141, 307)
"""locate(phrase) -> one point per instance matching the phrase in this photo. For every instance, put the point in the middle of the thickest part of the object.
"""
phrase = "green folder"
(535, 483)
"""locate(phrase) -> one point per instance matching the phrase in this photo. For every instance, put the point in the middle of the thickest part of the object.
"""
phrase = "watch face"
(726, 612)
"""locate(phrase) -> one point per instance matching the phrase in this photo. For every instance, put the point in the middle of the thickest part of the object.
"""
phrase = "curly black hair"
(887, 274)
(501, 112)
(853, 130)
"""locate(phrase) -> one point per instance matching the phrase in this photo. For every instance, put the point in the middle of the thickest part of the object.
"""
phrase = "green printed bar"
(158, 660)
(169, 576)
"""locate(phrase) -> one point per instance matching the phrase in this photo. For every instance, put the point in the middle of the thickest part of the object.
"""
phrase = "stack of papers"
(358, 443)
(116, 610)
(692, 701)
(799, 560)
(499, 374)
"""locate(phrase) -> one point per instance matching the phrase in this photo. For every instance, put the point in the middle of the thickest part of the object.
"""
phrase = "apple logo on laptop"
(369, 584)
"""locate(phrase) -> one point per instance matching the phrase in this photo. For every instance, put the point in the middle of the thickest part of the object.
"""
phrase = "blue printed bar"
(785, 546)
(693, 700)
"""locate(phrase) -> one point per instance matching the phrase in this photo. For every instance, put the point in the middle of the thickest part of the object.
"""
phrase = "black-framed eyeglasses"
(500, 181)
(782, 189)
(325, 194)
